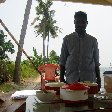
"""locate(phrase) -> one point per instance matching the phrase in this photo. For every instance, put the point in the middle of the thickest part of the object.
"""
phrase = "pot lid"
(108, 72)
(87, 83)
(75, 86)
(55, 84)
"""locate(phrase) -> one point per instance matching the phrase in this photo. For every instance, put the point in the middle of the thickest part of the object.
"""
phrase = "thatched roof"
(2, 1)
(96, 2)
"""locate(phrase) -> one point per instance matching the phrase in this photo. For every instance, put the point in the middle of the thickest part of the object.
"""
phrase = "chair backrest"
(49, 70)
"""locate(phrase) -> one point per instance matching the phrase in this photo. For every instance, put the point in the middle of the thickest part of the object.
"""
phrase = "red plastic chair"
(48, 73)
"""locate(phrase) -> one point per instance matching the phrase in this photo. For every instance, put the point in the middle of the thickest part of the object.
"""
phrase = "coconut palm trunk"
(44, 50)
(44, 37)
(16, 76)
(48, 47)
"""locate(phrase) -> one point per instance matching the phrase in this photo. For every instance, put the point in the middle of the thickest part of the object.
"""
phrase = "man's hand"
(62, 72)
(99, 84)
(62, 80)
(98, 79)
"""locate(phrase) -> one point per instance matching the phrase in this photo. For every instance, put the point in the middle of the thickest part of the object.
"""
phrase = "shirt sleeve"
(96, 54)
(64, 53)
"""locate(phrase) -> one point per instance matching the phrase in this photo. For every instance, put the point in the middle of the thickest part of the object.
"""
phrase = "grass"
(6, 87)
(10, 86)
(7, 70)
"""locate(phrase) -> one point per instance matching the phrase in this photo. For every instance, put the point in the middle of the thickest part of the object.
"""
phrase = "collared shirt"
(79, 55)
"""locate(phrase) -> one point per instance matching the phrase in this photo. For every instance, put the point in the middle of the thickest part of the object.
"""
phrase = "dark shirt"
(79, 55)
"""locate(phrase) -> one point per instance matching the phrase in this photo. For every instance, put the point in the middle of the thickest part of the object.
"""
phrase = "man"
(79, 59)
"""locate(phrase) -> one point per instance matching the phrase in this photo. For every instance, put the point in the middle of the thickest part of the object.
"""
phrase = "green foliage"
(6, 70)
(10, 67)
(6, 66)
(46, 23)
(37, 59)
(53, 58)
(6, 87)
(27, 70)
(5, 46)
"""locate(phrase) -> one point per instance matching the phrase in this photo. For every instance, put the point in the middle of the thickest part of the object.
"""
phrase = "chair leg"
(42, 83)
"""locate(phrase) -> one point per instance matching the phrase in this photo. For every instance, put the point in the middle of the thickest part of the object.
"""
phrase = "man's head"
(80, 21)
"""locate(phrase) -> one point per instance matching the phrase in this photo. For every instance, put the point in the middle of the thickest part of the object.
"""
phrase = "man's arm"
(97, 64)
(63, 58)
(98, 78)
(62, 73)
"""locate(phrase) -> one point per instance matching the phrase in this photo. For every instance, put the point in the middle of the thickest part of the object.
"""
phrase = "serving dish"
(74, 92)
(54, 86)
(46, 96)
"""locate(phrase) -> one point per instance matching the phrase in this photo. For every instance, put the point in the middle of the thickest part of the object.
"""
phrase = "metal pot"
(108, 81)
(54, 86)
(74, 92)
(93, 87)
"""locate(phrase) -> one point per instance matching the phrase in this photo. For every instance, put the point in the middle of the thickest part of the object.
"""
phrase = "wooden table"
(13, 105)
(34, 105)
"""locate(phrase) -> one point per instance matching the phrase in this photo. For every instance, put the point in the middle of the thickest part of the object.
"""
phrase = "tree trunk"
(47, 48)
(44, 37)
(16, 76)
(44, 50)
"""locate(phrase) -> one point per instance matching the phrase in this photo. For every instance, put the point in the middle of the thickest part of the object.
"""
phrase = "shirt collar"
(81, 36)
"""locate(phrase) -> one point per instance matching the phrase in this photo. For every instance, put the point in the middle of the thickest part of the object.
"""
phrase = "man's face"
(80, 24)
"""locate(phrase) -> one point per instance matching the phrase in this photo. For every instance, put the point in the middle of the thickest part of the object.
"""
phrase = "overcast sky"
(99, 26)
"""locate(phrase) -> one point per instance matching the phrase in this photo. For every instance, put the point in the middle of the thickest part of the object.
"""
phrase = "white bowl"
(46, 97)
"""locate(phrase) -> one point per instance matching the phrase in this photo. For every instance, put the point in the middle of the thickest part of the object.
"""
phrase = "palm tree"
(53, 30)
(45, 22)
(16, 76)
